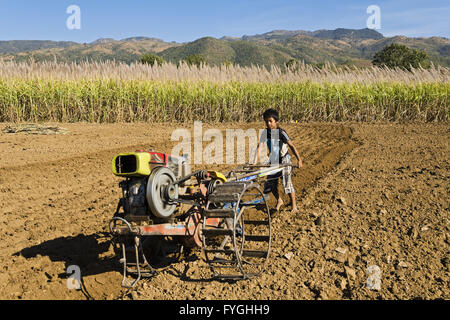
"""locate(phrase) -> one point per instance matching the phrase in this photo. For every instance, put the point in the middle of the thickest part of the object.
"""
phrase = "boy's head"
(271, 118)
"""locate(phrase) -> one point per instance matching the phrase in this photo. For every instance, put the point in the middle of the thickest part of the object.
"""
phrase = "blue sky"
(183, 21)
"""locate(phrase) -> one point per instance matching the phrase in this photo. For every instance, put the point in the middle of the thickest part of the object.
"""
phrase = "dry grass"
(137, 71)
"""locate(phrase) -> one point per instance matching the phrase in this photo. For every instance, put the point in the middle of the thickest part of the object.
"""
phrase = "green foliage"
(151, 59)
(195, 59)
(291, 64)
(319, 65)
(228, 64)
(112, 100)
(398, 55)
(215, 51)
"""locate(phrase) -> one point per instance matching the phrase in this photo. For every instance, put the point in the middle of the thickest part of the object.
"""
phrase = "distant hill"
(348, 34)
(338, 34)
(126, 50)
(340, 46)
(102, 40)
(217, 52)
(15, 46)
(133, 39)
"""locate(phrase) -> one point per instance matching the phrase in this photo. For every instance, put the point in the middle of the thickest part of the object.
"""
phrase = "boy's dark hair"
(271, 113)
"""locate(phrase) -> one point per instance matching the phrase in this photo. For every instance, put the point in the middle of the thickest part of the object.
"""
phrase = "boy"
(278, 142)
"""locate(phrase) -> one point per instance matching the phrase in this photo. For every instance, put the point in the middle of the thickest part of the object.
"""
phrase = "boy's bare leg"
(280, 202)
(294, 202)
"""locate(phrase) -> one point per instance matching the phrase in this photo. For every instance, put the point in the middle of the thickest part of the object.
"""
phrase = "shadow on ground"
(84, 251)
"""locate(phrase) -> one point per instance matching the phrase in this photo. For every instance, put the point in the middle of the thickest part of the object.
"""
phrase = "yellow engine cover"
(218, 175)
(131, 164)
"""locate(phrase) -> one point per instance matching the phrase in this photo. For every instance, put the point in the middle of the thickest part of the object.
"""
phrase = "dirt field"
(369, 195)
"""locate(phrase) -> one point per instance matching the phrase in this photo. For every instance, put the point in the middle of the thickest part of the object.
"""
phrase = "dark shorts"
(285, 175)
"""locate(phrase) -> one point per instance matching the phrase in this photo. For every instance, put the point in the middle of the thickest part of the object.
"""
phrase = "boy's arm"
(294, 150)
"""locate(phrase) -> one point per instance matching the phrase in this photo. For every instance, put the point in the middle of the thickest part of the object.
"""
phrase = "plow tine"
(223, 261)
(219, 213)
(254, 253)
(257, 222)
(125, 282)
(226, 197)
(224, 251)
(217, 232)
(257, 238)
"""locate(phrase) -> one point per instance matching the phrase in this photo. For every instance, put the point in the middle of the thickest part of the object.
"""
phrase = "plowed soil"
(369, 195)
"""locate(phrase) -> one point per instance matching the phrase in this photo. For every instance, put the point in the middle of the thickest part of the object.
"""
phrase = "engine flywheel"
(160, 192)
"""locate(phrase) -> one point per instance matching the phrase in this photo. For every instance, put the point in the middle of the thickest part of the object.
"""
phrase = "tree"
(292, 63)
(150, 59)
(195, 59)
(228, 64)
(320, 65)
(398, 55)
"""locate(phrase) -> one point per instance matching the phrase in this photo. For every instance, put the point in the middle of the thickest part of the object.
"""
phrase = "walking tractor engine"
(165, 208)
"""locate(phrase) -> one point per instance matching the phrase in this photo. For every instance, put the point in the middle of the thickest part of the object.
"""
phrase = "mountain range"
(339, 46)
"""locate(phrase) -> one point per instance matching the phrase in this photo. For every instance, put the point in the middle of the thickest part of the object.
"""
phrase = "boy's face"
(271, 123)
